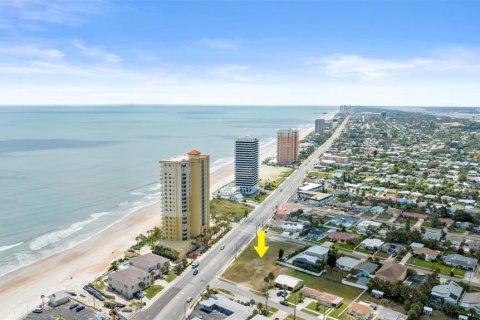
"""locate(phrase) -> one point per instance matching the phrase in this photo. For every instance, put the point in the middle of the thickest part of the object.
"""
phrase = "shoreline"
(76, 266)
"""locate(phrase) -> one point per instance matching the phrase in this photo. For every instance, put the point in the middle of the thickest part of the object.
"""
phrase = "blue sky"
(240, 52)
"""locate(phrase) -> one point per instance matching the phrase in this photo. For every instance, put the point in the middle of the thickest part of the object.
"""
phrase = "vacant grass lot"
(384, 216)
(436, 265)
(250, 270)
(231, 210)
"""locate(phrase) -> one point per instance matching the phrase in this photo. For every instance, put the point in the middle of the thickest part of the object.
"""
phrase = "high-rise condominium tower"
(319, 126)
(185, 182)
(246, 164)
(287, 146)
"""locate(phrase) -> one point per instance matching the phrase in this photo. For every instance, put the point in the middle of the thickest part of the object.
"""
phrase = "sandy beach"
(72, 269)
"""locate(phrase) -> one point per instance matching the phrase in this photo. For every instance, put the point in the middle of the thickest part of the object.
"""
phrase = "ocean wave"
(137, 193)
(57, 236)
(4, 248)
(220, 163)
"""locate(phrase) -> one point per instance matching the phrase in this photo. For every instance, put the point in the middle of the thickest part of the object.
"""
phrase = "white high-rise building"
(319, 126)
(246, 164)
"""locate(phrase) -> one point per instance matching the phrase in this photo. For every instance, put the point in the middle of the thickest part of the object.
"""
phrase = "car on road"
(189, 299)
(37, 310)
(195, 264)
(195, 272)
(73, 306)
(284, 302)
(222, 247)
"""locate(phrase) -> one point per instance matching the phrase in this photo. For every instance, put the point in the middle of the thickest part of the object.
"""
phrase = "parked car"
(195, 272)
(280, 293)
(80, 308)
(189, 299)
(37, 310)
(73, 306)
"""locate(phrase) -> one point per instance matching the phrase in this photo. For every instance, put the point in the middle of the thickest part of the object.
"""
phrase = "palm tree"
(271, 276)
(266, 280)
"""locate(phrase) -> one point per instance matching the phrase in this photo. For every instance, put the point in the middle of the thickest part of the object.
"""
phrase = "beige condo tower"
(185, 186)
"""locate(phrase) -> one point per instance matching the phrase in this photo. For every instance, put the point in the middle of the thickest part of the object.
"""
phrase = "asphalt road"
(172, 304)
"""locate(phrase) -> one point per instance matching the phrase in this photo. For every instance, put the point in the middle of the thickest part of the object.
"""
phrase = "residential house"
(324, 298)
(432, 235)
(129, 281)
(392, 272)
(416, 280)
(450, 292)
(471, 300)
(316, 234)
(361, 311)
(367, 269)
(392, 248)
(459, 261)
(426, 254)
(320, 252)
(415, 245)
(343, 237)
(291, 283)
(347, 263)
(149, 262)
(371, 244)
(389, 314)
(394, 212)
(455, 240)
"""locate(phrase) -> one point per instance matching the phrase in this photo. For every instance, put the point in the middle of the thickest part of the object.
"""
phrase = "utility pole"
(295, 308)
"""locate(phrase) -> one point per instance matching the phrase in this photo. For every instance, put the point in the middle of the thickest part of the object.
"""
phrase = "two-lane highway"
(171, 305)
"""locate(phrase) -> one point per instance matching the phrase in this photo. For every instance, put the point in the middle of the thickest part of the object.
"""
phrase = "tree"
(281, 252)
(42, 297)
(332, 258)
(271, 276)
(266, 280)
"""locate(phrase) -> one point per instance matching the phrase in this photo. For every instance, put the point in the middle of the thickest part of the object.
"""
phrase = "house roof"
(415, 280)
(291, 282)
(58, 296)
(368, 267)
(392, 272)
(372, 243)
(389, 314)
(471, 298)
(348, 262)
(129, 276)
(427, 251)
(147, 260)
(361, 308)
(342, 236)
(322, 296)
(451, 290)
(461, 260)
(317, 250)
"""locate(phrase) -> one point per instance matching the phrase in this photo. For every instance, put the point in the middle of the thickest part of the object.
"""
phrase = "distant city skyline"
(395, 53)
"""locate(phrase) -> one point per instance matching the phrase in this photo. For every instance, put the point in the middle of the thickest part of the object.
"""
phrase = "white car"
(189, 299)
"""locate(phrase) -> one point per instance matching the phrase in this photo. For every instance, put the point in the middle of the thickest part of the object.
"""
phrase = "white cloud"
(376, 68)
(220, 43)
(96, 52)
(32, 13)
(31, 51)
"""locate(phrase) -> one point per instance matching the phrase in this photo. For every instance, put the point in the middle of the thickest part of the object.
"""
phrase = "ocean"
(67, 173)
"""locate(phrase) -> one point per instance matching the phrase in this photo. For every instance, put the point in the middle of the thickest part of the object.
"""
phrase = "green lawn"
(384, 216)
(381, 254)
(367, 215)
(223, 208)
(436, 265)
(170, 277)
(363, 250)
(250, 270)
(344, 246)
(313, 306)
(151, 291)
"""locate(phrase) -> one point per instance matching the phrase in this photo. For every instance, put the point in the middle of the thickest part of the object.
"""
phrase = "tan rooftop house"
(360, 311)
(324, 298)
(427, 253)
(414, 215)
(129, 281)
(343, 237)
(392, 272)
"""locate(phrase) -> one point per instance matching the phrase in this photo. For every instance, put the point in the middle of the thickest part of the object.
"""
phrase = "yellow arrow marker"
(261, 248)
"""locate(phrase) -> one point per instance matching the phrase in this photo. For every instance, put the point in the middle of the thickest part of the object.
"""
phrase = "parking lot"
(64, 312)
